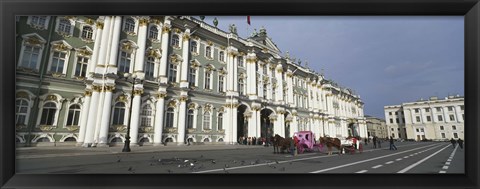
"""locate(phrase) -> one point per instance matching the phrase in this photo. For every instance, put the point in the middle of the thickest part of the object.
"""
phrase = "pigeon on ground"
(226, 165)
(130, 169)
(213, 161)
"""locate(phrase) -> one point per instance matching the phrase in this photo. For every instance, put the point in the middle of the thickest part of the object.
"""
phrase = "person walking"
(453, 141)
(460, 143)
(392, 145)
(374, 140)
(379, 141)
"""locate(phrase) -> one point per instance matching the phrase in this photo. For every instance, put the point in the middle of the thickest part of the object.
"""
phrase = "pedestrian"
(392, 145)
(295, 142)
(366, 141)
(374, 142)
(453, 141)
(460, 143)
(254, 140)
(354, 142)
(379, 141)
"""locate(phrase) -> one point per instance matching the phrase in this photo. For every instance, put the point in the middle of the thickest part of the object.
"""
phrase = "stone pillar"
(84, 116)
(141, 43)
(185, 59)
(279, 90)
(90, 130)
(104, 43)
(164, 51)
(96, 48)
(251, 77)
(290, 98)
(159, 112)
(105, 121)
(135, 119)
(181, 120)
(253, 126)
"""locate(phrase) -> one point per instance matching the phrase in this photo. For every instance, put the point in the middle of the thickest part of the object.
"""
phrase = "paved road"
(411, 157)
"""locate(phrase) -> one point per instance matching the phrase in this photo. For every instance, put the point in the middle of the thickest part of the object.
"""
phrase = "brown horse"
(331, 142)
(280, 144)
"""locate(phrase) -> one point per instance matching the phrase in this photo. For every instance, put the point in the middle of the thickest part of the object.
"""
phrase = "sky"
(387, 60)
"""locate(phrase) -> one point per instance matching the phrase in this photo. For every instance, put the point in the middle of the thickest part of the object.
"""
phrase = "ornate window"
(119, 114)
(87, 33)
(221, 81)
(221, 56)
(241, 86)
(149, 68)
(129, 25)
(192, 76)
(265, 91)
(64, 26)
(190, 118)
(220, 121)
(169, 118)
(81, 66)
(194, 47)
(124, 63)
(146, 116)
(172, 73)
(208, 79)
(153, 33)
(39, 22)
(73, 115)
(58, 61)
(48, 113)
(206, 119)
(175, 41)
(240, 61)
(208, 52)
(31, 56)
(21, 112)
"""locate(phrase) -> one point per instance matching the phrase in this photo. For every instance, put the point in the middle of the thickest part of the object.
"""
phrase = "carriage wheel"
(300, 149)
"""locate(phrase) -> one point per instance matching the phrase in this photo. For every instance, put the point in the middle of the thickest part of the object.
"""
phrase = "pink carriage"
(306, 141)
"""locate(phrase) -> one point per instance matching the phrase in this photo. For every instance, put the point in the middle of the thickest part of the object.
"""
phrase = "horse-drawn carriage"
(306, 141)
(344, 145)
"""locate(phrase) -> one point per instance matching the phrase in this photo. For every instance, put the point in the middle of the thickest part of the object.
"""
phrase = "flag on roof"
(248, 20)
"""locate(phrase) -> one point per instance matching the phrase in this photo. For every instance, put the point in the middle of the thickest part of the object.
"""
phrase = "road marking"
(449, 160)
(374, 167)
(424, 159)
(442, 172)
(411, 155)
(447, 163)
(390, 162)
(399, 159)
(406, 157)
(349, 164)
(362, 171)
(445, 167)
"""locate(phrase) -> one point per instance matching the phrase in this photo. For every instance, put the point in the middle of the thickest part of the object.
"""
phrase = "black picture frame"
(470, 9)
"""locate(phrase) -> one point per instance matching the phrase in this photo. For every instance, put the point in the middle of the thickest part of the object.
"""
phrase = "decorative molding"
(143, 22)
(172, 104)
(73, 127)
(183, 98)
(166, 29)
(122, 98)
(138, 92)
(46, 127)
(109, 88)
(22, 94)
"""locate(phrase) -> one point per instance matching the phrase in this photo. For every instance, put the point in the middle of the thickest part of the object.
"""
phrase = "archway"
(266, 129)
(242, 123)
(352, 130)
(288, 120)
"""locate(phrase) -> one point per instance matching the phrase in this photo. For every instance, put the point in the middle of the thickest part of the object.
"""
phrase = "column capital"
(160, 95)
(109, 88)
(143, 22)
(138, 92)
(88, 93)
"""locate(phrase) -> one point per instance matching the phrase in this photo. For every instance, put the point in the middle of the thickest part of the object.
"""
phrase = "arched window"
(87, 32)
(153, 33)
(48, 113)
(129, 25)
(73, 115)
(119, 114)
(169, 118)
(206, 140)
(64, 26)
(175, 41)
(206, 120)
(146, 116)
(21, 111)
(193, 47)
(190, 117)
(208, 52)
(39, 21)
(220, 121)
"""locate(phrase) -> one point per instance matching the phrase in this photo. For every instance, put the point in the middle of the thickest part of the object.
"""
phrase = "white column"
(90, 130)
(104, 47)
(105, 124)
(276, 125)
(141, 42)
(164, 58)
(259, 124)
(227, 122)
(252, 124)
(185, 60)
(96, 48)
(84, 116)
(134, 124)
(234, 125)
(181, 120)
(279, 76)
(99, 116)
(290, 88)
(251, 77)
(159, 112)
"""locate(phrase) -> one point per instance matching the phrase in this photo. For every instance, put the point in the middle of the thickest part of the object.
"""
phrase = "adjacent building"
(87, 80)
(376, 127)
(432, 119)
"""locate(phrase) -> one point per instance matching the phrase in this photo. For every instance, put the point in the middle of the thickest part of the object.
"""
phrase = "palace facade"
(432, 119)
(85, 80)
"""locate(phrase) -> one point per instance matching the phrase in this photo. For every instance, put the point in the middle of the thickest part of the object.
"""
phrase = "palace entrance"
(266, 129)
(242, 123)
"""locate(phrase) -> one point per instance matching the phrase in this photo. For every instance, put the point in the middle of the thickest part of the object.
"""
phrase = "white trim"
(25, 43)
(40, 27)
(72, 26)
(77, 55)
(67, 55)
(135, 29)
